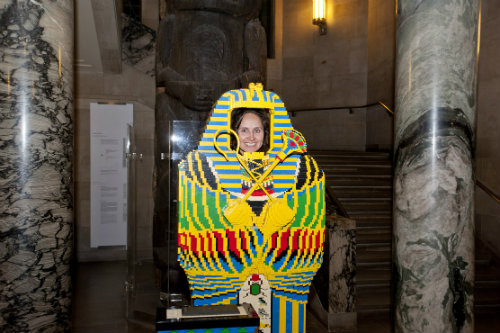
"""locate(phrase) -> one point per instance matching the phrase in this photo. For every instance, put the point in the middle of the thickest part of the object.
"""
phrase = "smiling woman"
(252, 127)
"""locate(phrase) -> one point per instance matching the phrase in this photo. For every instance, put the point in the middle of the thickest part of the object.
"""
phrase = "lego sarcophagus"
(251, 225)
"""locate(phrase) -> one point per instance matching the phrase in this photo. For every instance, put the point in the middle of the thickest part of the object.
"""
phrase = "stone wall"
(380, 86)
(313, 71)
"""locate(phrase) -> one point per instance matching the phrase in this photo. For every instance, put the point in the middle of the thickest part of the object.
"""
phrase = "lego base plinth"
(211, 318)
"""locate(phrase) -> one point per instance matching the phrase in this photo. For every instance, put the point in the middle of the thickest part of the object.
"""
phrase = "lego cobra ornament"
(251, 225)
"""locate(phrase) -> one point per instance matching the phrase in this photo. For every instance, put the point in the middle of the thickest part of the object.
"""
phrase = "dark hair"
(263, 114)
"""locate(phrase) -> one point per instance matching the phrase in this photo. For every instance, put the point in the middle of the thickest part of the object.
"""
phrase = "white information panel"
(108, 173)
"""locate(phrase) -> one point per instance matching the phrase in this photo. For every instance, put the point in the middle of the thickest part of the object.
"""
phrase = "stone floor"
(100, 302)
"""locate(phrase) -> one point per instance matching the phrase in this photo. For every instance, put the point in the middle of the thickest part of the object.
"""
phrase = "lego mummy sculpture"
(251, 225)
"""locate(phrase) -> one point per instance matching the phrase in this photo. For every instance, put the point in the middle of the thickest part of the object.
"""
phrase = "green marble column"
(436, 71)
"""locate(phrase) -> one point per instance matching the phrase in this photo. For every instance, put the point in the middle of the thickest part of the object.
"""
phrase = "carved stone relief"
(204, 48)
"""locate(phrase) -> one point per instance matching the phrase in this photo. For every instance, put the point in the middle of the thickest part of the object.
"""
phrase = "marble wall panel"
(342, 314)
(342, 263)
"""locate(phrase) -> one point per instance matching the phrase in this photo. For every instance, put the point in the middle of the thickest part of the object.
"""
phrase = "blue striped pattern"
(237, 329)
(294, 317)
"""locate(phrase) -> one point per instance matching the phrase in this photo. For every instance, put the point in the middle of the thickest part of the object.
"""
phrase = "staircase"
(486, 290)
(362, 183)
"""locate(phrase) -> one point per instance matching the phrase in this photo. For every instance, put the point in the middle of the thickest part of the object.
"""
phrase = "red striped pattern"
(206, 243)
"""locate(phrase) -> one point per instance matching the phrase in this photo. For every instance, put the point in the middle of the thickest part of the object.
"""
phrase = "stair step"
(381, 219)
(366, 212)
(373, 275)
(367, 226)
(375, 247)
(364, 192)
(485, 308)
(486, 265)
(378, 216)
(374, 321)
(487, 294)
(375, 235)
(333, 170)
(326, 163)
(482, 251)
(488, 284)
(368, 201)
(486, 272)
(362, 177)
(339, 155)
(373, 254)
(374, 230)
(486, 321)
(370, 205)
(359, 186)
(369, 297)
(367, 181)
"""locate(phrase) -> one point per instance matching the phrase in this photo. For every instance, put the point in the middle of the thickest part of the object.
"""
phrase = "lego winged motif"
(251, 225)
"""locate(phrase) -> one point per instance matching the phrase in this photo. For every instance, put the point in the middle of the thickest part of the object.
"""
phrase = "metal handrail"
(485, 188)
(350, 108)
(387, 108)
(332, 196)
(338, 205)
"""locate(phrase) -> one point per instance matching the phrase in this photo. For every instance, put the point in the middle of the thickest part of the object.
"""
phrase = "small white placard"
(108, 173)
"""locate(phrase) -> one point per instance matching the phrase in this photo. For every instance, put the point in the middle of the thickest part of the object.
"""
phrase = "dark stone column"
(436, 69)
(204, 48)
(36, 145)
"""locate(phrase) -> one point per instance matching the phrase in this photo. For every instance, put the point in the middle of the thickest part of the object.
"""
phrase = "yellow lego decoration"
(251, 225)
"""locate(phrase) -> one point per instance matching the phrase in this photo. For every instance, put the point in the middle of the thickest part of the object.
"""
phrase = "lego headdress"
(217, 147)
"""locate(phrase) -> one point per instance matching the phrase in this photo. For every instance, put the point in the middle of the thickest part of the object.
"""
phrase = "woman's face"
(250, 133)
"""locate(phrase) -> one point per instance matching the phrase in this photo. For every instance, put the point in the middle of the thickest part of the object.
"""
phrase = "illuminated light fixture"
(319, 15)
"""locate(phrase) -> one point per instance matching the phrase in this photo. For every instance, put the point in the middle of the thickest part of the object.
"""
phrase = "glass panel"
(185, 136)
(131, 222)
(141, 289)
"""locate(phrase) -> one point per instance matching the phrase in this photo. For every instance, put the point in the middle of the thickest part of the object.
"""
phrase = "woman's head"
(252, 127)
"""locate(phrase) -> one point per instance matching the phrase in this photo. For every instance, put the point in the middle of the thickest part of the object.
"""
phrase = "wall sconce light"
(319, 15)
